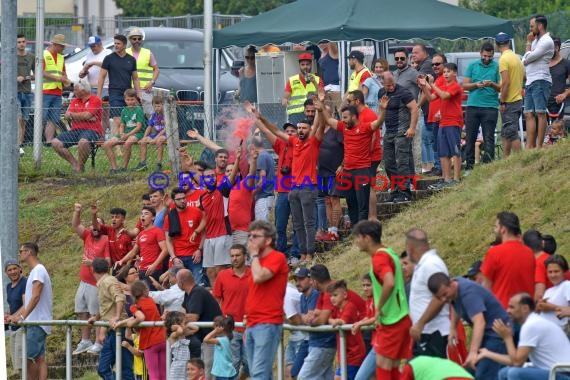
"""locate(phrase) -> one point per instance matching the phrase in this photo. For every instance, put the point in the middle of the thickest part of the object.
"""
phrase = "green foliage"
(141, 8)
(510, 9)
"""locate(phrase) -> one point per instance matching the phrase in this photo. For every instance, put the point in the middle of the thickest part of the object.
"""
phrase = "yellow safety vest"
(354, 82)
(299, 93)
(144, 69)
(53, 68)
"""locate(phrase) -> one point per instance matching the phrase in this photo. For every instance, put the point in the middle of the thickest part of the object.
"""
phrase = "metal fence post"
(342, 354)
(118, 355)
(172, 134)
(68, 363)
(280, 358)
(24, 353)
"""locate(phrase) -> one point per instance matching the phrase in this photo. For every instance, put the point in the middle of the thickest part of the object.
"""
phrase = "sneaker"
(82, 347)
(319, 236)
(140, 167)
(95, 349)
(392, 196)
(21, 152)
(436, 172)
(330, 236)
(122, 170)
(159, 167)
(466, 173)
(450, 183)
(402, 197)
(113, 171)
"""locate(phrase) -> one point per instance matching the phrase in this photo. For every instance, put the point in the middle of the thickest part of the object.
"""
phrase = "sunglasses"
(135, 38)
(399, 59)
(436, 64)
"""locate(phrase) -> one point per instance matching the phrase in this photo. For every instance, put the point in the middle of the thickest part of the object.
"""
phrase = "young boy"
(345, 312)
(130, 131)
(155, 134)
(450, 124)
(195, 369)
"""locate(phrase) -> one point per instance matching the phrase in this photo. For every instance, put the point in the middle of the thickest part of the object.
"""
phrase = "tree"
(510, 9)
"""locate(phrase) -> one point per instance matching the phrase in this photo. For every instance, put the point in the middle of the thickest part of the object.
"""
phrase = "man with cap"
(15, 292)
(360, 72)
(92, 65)
(55, 79)
(474, 272)
(299, 87)
(510, 99)
(147, 68)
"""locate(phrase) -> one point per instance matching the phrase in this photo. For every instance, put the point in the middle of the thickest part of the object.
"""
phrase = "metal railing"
(69, 324)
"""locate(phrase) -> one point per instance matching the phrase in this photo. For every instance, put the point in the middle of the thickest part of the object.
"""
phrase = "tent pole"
(208, 96)
(343, 71)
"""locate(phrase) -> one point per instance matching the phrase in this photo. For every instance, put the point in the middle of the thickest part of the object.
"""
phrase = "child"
(130, 131)
(178, 343)
(556, 133)
(221, 336)
(559, 294)
(155, 134)
(139, 367)
(345, 312)
(152, 339)
(368, 366)
(195, 369)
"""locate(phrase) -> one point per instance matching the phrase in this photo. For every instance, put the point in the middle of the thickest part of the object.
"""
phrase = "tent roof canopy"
(354, 20)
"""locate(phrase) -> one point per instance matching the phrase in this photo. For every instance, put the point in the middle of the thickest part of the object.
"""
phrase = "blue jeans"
(52, 108)
(536, 96)
(318, 364)
(368, 367)
(487, 369)
(282, 212)
(261, 342)
(107, 359)
(239, 357)
(321, 213)
(435, 130)
(302, 353)
(25, 104)
(35, 342)
(530, 373)
(486, 117)
(196, 269)
(428, 155)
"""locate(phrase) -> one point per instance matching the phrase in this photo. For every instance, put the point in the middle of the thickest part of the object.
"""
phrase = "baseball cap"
(474, 269)
(502, 38)
(305, 57)
(11, 262)
(302, 272)
(94, 40)
(357, 54)
(287, 125)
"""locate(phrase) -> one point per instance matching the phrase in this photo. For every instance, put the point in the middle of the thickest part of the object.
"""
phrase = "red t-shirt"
(510, 266)
(149, 250)
(382, 263)
(305, 156)
(193, 198)
(264, 303)
(119, 245)
(283, 184)
(357, 142)
(367, 115)
(451, 112)
(435, 105)
(94, 106)
(232, 291)
(149, 336)
(190, 219)
(324, 302)
(241, 200)
(355, 349)
(92, 248)
(55, 91)
(213, 204)
(540, 276)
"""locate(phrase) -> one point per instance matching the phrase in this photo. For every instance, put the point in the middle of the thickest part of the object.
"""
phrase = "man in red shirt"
(184, 238)
(508, 268)
(120, 238)
(86, 299)
(232, 286)
(241, 198)
(533, 239)
(84, 114)
(264, 303)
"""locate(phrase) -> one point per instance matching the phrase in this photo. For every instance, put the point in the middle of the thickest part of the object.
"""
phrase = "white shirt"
(549, 344)
(537, 60)
(557, 295)
(171, 298)
(420, 296)
(43, 309)
(291, 307)
(93, 73)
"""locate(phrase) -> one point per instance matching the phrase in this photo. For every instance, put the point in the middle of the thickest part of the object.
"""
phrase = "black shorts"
(327, 187)
(71, 138)
(374, 168)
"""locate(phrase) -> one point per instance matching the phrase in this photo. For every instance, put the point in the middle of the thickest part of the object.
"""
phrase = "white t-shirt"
(549, 344)
(420, 296)
(43, 309)
(93, 73)
(557, 295)
(292, 306)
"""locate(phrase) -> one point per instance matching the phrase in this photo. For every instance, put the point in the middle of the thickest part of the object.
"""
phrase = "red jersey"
(451, 112)
(540, 276)
(305, 156)
(285, 153)
(357, 141)
(213, 204)
(92, 248)
(324, 302)
(241, 200)
(149, 336)
(119, 244)
(149, 249)
(435, 105)
(264, 303)
(367, 115)
(510, 266)
(190, 219)
(94, 106)
(193, 198)
(232, 291)
(355, 349)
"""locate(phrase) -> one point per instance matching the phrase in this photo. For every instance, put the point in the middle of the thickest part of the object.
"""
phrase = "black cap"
(356, 54)
(302, 272)
(287, 124)
(474, 269)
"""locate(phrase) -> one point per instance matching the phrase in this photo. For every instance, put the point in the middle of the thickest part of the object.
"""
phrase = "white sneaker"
(21, 152)
(82, 347)
(95, 349)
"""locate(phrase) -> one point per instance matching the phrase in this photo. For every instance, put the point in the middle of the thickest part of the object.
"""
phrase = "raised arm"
(192, 133)
(325, 115)
(265, 125)
(76, 220)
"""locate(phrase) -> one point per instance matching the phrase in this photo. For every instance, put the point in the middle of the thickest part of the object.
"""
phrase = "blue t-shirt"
(159, 218)
(316, 339)
(329, 69)
(373, 86)
(486, 96)
(265, 162)
(223, 365)
(473, 299)
(14, 296)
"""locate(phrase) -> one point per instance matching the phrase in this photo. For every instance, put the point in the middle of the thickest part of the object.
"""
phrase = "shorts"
(16, 347)
(394, 341)
(52, 108)
(449, 142)
(510, 120)
(536, 96)
(25, 104)
(116, 102)
(351, 371)
(35, 342)
(71, 138)
(374, 168)
(556, 109)
(291, 351)
(217, 251)
(104, 93)
(239, 237)
(86, 300)
(327, 187)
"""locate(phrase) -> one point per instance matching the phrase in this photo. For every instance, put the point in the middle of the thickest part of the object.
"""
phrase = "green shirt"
(130, 117)
(487, 96)
(432, 368)
(26, 65)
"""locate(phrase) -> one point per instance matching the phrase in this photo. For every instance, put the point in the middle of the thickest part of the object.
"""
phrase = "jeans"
(195, 268)
(486, 117)
(536, 96)
(358, 195)
(238, 352)
(318, 364)
(398, 159)
(368, 367)
(282, 211)
(530, 373)
(435, 130)
(25, 101)
(302, 201)
(487, 369)
(52, 108)
(428, 155)
(261, 342)
(321, 212)
(107, 359)
(302, 353)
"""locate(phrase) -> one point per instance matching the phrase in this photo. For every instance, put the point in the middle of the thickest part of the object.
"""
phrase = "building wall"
(55, 7)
